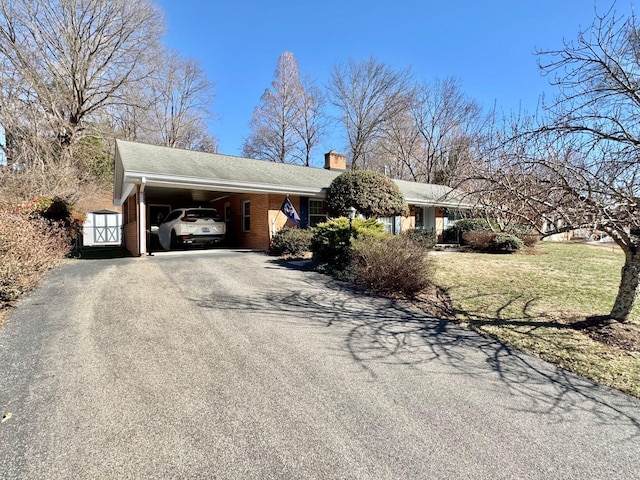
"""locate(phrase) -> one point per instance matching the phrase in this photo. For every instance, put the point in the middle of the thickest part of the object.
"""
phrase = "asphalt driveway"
(224, 364)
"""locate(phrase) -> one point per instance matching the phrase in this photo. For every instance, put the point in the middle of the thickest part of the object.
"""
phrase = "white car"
(191, 226)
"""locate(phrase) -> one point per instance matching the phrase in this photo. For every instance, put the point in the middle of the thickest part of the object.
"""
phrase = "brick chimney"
(335, 161)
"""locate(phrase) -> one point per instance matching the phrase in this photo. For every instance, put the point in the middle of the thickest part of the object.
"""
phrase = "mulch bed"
(611, 332)
(435, 302)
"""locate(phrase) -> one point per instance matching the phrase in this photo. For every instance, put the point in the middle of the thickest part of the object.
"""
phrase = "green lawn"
(527, 300)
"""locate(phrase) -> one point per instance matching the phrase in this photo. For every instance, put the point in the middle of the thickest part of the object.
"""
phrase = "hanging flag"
(289, 210)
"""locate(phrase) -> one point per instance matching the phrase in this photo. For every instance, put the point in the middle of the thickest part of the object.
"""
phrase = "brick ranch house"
(150, 181)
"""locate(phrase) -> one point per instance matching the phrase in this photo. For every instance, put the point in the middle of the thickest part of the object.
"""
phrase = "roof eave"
(438, 203)
(177, 181)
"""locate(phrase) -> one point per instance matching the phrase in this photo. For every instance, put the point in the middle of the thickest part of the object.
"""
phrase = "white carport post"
(142, 216)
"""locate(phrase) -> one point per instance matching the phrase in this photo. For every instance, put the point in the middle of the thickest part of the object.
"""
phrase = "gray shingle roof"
(139, 157)
(182, 167)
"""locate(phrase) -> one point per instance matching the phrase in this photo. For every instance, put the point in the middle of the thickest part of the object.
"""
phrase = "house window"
(317, 212)
(389, 224)
(246, 218)
(454, 215)
(451, 217)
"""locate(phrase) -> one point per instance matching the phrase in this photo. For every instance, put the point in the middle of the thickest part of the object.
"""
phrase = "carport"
(151, 180)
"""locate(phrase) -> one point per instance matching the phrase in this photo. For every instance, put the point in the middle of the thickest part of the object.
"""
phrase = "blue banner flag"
(289, 210)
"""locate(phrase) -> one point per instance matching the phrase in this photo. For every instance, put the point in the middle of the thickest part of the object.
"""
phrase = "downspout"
(142, 216)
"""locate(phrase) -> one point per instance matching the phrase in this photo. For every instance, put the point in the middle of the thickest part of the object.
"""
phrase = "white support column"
(142, 218)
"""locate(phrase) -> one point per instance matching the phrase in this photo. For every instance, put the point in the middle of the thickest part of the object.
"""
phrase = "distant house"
(151, 180)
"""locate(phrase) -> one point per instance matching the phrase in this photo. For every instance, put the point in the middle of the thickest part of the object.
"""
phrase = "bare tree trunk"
(629, 286)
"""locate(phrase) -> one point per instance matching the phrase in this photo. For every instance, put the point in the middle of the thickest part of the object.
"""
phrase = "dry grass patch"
(540, 304)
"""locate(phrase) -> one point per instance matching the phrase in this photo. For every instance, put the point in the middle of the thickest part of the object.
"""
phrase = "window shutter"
(397, 224)
(304, 212)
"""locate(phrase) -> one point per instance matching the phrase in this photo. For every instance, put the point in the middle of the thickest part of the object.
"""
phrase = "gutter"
(197, 183)
(171, 181)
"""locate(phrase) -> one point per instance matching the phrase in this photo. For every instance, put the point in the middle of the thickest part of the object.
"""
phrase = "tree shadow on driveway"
(374, 330)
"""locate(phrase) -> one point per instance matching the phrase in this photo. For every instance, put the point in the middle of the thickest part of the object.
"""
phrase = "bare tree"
(368, 94)
(127, 119)
(581, 167)
(449, 125)
(180, 99)
(397, 152)
(72, 57)
(310, 122)
(273, 134)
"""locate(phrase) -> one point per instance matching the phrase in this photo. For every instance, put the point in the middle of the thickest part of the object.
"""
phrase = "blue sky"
(487, 45)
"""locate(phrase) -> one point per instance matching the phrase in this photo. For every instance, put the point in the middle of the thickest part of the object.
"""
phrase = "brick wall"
(264, 209)
(281, 220)
(131, 238)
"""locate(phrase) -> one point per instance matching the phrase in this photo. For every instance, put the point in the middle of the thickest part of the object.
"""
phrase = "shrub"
(529, 240)
(472, 225)
(28, 247)
(56, 211)
(331, 241)
(423, 238)
(465, 225)
(478, 240)
(492, 242)
(391, 265)
(518, 229)
(506, 243)
(370, 193)
(291, 242)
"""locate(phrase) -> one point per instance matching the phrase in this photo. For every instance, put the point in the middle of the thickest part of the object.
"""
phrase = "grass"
(529, 300)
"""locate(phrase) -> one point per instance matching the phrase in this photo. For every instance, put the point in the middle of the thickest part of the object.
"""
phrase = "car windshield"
(203, 213)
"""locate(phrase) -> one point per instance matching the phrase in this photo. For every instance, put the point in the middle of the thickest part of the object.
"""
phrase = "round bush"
(370, 193)
(506, 243)
(291, 242)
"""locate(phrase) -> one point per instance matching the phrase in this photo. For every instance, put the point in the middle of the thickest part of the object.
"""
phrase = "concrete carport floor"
(231, 364)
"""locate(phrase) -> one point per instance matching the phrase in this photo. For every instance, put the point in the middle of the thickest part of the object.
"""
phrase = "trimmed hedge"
(370, 193)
